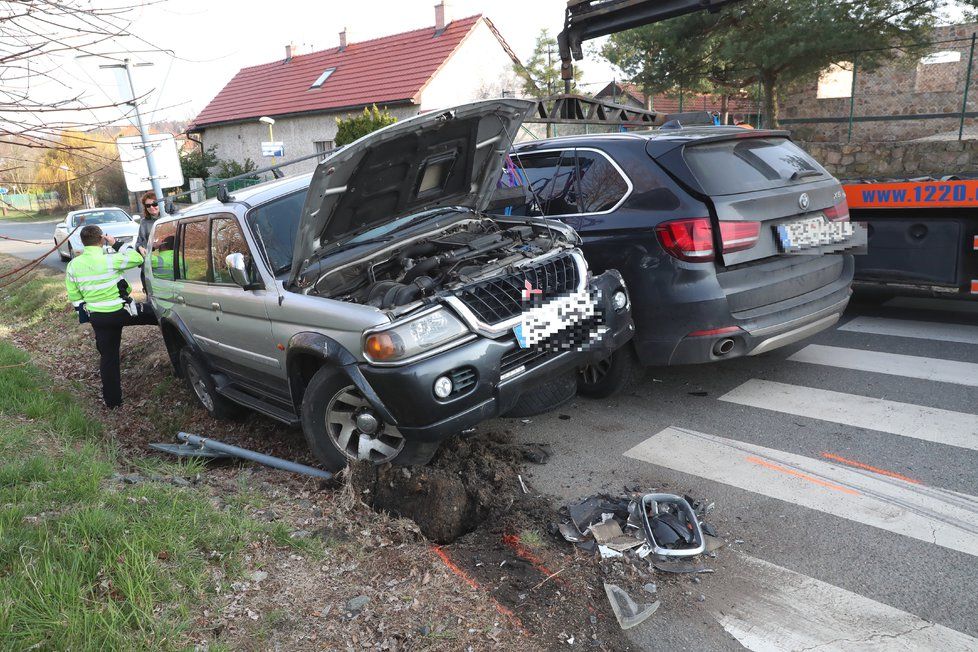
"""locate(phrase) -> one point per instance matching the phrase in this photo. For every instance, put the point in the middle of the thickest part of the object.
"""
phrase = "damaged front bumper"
(488, 375)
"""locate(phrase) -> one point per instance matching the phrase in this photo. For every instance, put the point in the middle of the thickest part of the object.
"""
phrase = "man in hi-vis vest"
(100, 293)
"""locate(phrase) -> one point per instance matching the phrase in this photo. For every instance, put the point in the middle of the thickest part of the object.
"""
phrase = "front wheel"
(607, 377)
(64, 258)
(341, 426)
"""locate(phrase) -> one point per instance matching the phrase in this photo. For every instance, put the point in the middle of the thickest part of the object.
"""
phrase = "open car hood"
(452, 157)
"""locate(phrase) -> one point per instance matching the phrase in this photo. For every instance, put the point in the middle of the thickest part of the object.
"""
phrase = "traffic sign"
(272, 148)
(135, 168)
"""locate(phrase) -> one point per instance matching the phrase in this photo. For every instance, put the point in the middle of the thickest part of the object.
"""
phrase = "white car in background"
(113, 221)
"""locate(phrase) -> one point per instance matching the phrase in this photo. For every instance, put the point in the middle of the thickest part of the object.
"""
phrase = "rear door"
(769, 198)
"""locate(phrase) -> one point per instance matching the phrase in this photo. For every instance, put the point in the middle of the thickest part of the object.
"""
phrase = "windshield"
(100, 217)
(275, 225)
(748, 164)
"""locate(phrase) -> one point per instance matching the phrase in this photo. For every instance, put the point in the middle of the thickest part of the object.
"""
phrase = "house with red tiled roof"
(451, 62)
(630, 94)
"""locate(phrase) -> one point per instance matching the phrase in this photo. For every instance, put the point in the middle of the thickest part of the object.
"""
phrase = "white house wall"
(479, 69)
(240, 141)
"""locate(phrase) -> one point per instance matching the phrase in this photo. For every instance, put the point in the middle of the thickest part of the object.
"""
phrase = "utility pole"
(154, 178)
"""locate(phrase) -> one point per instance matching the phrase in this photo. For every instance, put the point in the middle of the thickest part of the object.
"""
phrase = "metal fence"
(237, 184)
(44, 201)
(923, 91)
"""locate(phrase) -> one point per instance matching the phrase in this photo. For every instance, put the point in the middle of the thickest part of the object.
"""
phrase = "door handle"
(215, 306)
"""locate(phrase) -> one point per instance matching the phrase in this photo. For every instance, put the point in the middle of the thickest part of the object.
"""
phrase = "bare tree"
(37, 101)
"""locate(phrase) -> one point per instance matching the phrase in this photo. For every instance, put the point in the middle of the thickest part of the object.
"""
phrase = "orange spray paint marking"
(803, 476)
(468, 579)
(860, 465)
(513, 541)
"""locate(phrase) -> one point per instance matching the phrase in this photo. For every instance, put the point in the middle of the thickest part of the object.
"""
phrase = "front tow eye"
(367, 423)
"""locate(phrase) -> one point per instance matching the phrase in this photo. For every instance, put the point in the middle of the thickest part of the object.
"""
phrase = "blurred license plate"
(537, 324)
(812, 232)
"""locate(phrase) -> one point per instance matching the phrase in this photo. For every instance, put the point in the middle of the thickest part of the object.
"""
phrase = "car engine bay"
(462, 254)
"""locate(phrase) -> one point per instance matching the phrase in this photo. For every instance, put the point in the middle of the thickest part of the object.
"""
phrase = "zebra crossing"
(766, 606)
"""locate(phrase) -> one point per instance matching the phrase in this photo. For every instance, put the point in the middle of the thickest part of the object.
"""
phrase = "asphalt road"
(852, 490)
(845, 467)
(29, 240)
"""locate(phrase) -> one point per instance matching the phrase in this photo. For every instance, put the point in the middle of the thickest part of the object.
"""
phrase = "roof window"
(323, 77)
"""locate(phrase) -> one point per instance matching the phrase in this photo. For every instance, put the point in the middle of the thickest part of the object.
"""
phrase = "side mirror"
(238, 270)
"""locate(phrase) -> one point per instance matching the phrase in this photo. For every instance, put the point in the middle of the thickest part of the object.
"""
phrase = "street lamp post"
(271, 136)
(68, 183)
(154, 178)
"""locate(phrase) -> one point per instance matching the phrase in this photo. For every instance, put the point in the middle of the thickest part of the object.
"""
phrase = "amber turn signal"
(380, 347)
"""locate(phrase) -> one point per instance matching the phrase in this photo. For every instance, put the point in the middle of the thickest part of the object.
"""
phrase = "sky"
(212, 40)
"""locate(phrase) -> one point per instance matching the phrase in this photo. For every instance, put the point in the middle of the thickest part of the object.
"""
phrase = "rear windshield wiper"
(802, 174)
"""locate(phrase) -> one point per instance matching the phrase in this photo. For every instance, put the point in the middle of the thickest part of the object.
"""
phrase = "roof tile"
(380, 71)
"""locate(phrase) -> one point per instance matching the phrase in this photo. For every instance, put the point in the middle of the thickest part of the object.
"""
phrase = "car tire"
(71, 252)
(63, 257)
(545, 397)
(609, 376)
(201, 385)
(330, 407)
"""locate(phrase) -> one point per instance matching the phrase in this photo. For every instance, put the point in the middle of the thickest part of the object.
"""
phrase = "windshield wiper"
(802, 174)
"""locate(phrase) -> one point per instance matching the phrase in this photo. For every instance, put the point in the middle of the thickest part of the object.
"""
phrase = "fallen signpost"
(197, 446)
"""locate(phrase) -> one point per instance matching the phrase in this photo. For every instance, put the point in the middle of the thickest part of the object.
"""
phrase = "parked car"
(733, 242)
(113, 221)
(373, 303)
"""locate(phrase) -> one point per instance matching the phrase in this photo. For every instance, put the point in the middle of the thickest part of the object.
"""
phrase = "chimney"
(290, 51)
(343, 40)
(441, 16)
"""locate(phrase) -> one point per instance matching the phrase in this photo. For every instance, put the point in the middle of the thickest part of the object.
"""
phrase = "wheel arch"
(176, 335)
(308, 352)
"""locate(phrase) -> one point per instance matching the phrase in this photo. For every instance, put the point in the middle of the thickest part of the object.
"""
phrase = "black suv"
(730, 239)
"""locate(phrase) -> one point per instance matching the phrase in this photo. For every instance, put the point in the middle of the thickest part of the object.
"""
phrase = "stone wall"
(897, 159)
(910, 84)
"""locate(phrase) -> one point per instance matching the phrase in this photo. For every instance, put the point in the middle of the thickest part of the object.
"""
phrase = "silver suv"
(374, 303)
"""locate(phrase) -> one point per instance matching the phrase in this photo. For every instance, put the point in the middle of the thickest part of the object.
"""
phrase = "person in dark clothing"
(151, 211)
(100, 293)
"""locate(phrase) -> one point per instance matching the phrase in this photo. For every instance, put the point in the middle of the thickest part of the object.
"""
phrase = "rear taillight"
(737, 236)
(688, 239)
(839, 212)
(692, 239)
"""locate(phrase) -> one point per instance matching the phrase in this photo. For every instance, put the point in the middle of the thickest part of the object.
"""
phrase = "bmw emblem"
(804, 201)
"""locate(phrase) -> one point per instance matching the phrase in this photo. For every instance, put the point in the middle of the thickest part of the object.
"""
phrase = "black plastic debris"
(671, 526)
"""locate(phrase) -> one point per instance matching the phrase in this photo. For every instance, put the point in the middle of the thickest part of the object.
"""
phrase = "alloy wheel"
(596, 371)
(200, 388)
(342, 414)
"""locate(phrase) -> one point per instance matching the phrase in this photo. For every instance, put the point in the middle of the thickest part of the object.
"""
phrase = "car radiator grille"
(501, 298)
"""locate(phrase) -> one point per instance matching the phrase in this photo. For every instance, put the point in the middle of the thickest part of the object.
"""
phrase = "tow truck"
(923, 235)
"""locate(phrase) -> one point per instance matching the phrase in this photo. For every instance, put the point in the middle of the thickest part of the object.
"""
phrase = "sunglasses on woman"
(152, 204)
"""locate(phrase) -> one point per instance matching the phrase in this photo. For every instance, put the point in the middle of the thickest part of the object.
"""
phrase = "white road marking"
(944, 518)
(925, 330)
(895, 364)
(904, 419)
(922, 303)
(767, 607)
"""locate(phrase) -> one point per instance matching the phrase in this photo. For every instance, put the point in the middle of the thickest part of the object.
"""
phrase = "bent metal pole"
(244, 453)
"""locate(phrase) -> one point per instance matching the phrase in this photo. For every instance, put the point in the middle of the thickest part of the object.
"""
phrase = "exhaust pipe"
(723, 347)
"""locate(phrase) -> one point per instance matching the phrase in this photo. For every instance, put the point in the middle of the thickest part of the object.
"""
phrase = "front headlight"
(413, 337)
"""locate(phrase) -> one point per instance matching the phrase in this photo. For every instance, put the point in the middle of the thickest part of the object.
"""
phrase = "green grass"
(87, 563)
(16, 215)
(37, 297)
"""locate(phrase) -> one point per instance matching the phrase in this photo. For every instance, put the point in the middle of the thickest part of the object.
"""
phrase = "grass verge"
(17, 215)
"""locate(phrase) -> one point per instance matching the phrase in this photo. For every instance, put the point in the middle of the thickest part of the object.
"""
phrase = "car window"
(275, 225)
(226, 239)
(748, 164)
(100, 217)
(161, 254)
(193, 251)
(549, 177)
(601, 185)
